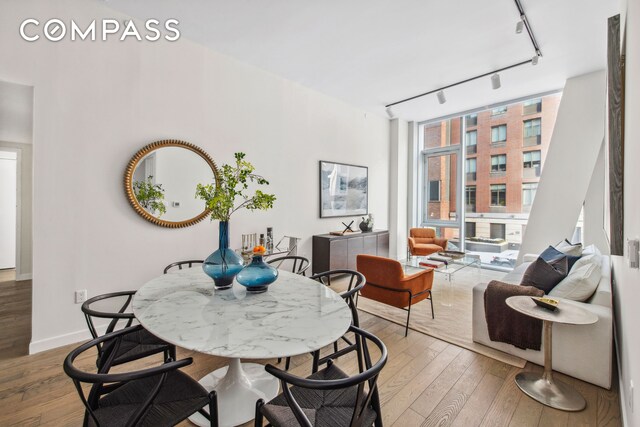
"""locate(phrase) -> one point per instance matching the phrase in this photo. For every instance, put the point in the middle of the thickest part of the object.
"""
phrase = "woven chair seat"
(324, 408)
(178, 398)
(136, 346)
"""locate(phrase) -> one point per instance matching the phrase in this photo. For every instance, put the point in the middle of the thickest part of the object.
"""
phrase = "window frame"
(498, 128)
(533, 187)
(504, 198)
(531, 163)
(499, 166)
(528, 121)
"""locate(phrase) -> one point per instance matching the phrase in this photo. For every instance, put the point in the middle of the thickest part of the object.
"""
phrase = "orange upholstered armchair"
(387, 283)
(423, 242)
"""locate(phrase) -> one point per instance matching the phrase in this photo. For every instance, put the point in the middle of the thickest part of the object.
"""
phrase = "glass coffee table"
(448, 270)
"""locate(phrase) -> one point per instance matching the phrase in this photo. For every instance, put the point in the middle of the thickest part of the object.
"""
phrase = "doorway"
(9, 207)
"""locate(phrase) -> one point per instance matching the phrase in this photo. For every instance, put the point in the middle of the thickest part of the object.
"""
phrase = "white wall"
(97, 103)
(16, 112)
(573, 151)
(626, 280)
(594, 206)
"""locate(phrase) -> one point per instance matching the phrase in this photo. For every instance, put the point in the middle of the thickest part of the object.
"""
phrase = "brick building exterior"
(506, 148)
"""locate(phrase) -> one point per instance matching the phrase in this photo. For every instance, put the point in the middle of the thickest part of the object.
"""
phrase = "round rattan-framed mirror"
(160, 182)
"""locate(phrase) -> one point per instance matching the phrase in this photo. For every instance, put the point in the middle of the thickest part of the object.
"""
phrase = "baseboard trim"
(22, 277)
(62, 340)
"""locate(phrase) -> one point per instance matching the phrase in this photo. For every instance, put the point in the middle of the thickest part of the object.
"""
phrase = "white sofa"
(583, 351)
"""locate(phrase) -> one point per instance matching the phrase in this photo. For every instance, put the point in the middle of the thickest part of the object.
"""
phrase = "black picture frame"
(350, 193)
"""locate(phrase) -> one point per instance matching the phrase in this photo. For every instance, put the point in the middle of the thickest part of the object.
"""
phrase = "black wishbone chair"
(158, 396)
(179, 264)
(356, 283)
(328, 397)
(299, 264)
(134, 346)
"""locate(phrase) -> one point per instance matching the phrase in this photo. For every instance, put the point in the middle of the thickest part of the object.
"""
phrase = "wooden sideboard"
(339, 252)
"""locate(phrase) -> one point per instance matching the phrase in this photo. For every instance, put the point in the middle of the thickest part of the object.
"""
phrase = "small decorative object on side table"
(542, 387)
(367, 224)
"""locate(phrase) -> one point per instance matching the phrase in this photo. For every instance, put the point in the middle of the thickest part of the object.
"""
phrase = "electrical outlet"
(81, 296)
(631, 395)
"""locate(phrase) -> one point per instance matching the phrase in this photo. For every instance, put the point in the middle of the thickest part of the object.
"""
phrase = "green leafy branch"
(150, 195)
(234, 184)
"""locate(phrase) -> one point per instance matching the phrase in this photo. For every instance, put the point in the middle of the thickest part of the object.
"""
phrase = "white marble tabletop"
(296, 315)
(567, 311)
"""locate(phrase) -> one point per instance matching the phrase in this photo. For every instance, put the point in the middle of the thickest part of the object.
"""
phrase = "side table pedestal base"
(555, 394)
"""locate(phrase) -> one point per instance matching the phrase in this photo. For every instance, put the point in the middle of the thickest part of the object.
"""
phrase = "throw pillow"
(569, 248)
(552, 255)
(592, 258)
(580, 284)
(544, 275)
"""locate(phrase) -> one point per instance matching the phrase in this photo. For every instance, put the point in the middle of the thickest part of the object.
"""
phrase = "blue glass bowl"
(258, 275)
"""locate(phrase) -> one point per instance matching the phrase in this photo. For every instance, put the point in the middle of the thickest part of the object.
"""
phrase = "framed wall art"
(344, 190)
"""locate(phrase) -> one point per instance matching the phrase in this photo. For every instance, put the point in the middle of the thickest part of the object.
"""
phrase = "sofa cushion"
(569, 248)
(553, 255)
(544, 275)
(581, 282)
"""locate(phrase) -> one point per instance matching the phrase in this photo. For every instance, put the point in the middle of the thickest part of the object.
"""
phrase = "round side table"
(542, 387)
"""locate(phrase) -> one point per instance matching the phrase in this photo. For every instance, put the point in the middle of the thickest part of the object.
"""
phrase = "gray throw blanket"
(507, 325)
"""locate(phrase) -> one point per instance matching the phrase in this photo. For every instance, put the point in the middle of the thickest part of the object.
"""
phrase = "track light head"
(390, 113)
(519, 26)
(495, 81)
(534, 60)
(441, 98)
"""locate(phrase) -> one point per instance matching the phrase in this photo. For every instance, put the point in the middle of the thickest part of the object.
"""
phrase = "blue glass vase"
(223, 265)
(258, 275)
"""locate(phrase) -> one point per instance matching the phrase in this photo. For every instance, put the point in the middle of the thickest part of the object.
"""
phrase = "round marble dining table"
(296, 315)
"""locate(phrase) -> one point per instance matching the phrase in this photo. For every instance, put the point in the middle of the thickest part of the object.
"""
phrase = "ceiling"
(373, 52)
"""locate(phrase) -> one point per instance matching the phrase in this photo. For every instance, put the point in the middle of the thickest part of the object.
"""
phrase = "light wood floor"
(15, 318)
(425, 382)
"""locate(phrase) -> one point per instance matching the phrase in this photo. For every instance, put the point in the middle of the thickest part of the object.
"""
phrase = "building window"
(499, 163)
(531, 164)
(498, 134)
(532, 132)
(470, 165)
(498, 195)
(472, 141)
(498, 231)
(531, 159)
(499, 110)
(471, 120)
(529, 193)
(470, 198)
(434, 191)
(470, 229)
(532, 106)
